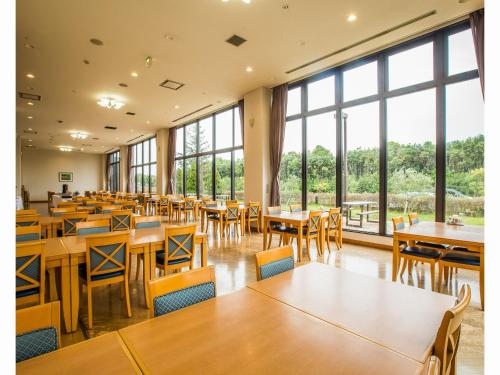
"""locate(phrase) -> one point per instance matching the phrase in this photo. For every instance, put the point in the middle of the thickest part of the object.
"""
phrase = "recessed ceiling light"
(148, 122)
(30, 140)
(225, 1)
(134, 74)
(30, 103)
(30, 117)
(110, 103)
(352, 17)
(29, 75)
(131, 130)
(30, 129)
(247, 1)
(27, 45)
(249, 69)
(176, 106)
(65, 149)
(79, 135)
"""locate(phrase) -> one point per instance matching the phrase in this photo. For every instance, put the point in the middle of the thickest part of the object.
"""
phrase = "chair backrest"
(26, 212)
(31, 233)
(179, 241)
(141, 222)
(30, 269)
(253, 209)
(413, 218)
(232, 211)
(314, 223)
(210, 203)
(189, 203)
(434, 367)
(121, 220)
(66, 204)
(398, 223)
(27, 220)
(91, 203)
(274, 261)
(295, 208)
(107, 209)
(334, 218)
(231, 201)
(448, 336)
(59, 211)
(107, 255)
(38, 330)
(179, 290)
(92, 227)
(70, 220)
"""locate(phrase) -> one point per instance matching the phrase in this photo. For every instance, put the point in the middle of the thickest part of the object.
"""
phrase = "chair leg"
(138, 266)
(308, 247)
(127, 297)
(270, 239)
(410, 267)
(327, 235)
(318, 248)
(433, 266)
(89, 305)
(440, 276)
(405, 262)
(52, 285)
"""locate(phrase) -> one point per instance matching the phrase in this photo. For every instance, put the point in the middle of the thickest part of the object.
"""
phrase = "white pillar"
(123, 168)
(161, 161)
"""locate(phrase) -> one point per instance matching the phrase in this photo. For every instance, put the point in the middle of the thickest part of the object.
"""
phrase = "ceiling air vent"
(133, 139)
(108, 150)
(130, 113)
(24, 95)
(172, 85)
(236, 40)
(30, 132)
(110, 127)
(192, 113)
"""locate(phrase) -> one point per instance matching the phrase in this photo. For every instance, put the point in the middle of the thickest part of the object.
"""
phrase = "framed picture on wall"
(65, 176)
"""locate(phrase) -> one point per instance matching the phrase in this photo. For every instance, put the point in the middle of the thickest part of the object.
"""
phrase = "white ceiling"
(186, 39)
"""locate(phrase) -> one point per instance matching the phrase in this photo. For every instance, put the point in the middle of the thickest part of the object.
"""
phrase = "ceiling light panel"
(172, 85)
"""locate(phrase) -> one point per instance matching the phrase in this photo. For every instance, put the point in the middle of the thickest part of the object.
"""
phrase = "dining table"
(220, 211)
(467, 236)
(178, 204)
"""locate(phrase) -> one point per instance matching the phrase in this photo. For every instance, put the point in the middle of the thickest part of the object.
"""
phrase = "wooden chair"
(30, 272)
(334, 226)
(163, 205)
(433, 367)
(141, 222)
(50, 198)
(31, 233)
(92, 227)
(121, 220)
(189, 208)
(108, 209)
(295, 208)
(276, 227)
(414, 220)
(231, 201)
(411, 254)
(274, 261)
(457, 259)
(448, 336)
(130, 205)
(180, 290)
(310, 232)
(69, 222)
(232, 217)
(59, 211)
(27, 220)
(26, 212)
(38, 330)
(253, 215)
(178, 249)
(107, 262)
(212, 216)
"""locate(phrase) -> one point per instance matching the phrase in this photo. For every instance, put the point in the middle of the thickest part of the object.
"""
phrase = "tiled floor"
(235, 268)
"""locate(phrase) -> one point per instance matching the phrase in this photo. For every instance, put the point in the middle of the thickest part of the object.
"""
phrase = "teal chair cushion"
(95, 230)
(183, 298)
(27, 237)
(276, 267)
(148, 224)
(35, 343)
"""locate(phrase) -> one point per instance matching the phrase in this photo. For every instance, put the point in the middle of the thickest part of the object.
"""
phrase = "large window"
(114, 171)
(209, 157)
(143, 168)
(396, 132)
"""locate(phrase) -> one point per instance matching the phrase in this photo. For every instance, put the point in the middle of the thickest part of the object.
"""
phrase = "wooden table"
(106, 354)
(469, 236)
(141, 241)
(298, 220)
(248, 333)
(398, 317)
(178, 204)
(221, 211)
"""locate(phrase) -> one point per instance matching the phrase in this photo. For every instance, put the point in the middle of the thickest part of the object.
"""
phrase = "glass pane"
(461, 53)
(146, 152)
(223, 176)
(291, 165)
(411, 66)
(132, 177)
(321, 93)
(138, 180)
(321, 151)
(145, 179)
(206, 176)
(224, 129)
(360, 81)
(191, 176)
(293, 105)
(179, 142)
(139, 154)
(191, 141)
(237, 128)
(118, 156)
(134, 152)
(239, 176)
(205, 135)
(465, 152)
(179, 179)
(411, 156)
(153, 149)
(361, 167)
(152, 178)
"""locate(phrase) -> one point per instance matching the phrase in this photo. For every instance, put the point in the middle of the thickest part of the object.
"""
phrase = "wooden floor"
(235, 268)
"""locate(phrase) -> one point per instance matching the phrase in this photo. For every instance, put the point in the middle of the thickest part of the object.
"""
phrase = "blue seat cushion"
(27, 292)
(296, 231)
(471, 260)
(82, 271)
(27, 237)
(432, 245)
(148, 224)
(93, 230)
(183, 298)
(278, 227)
(422, 252)
(213, 216)
(34, 343)
(460, 248)
(276, 267)
(160, 258)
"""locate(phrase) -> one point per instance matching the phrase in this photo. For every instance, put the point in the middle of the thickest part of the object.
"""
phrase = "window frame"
(143, 165)
(113, 165)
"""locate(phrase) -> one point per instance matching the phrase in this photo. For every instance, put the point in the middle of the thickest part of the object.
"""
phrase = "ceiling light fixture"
(29, 75)
(27, 45)
(79, 135)
(176, 106)
(30, 103)
(352, 17)
(30, 117)
(65, 149)
(134, 74)
(30, 129)
(249, 69)
(110, 103)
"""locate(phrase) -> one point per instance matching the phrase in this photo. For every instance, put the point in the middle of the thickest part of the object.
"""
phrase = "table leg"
(322, 236)
(204, 248)
(220, 226)
(75, 291)
(299, 243)
(202, 213)
(66, 294)
(242, 222)
(395, 256)
(264, 234)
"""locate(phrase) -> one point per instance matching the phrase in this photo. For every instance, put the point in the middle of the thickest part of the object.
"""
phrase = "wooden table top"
(222, 208)
(402, 318)
(443, 232)
(301, 216)
(248, 333)
(54, 248)
(104, 354)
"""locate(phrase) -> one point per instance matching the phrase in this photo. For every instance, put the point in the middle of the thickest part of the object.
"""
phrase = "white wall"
(40, 171)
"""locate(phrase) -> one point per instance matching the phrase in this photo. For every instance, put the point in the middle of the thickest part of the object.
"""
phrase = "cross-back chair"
(178, 249)
(92, 227)
(121, 220)
(189, 208)
(232, 217)
(295, 208)
(413, 219)
(276, 227)
(212, 216)
(253, 215)
(30, 272)
(27, 220)
(107, 262)
(179, 290)
(334, 227)
(274, 261)
(59, 211)
(70, 220)
(31, 233)
(310, 232)
(108, 209)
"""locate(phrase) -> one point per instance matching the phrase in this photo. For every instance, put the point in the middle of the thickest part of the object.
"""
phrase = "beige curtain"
(172, 138)
(241, 108)
(477, 27)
